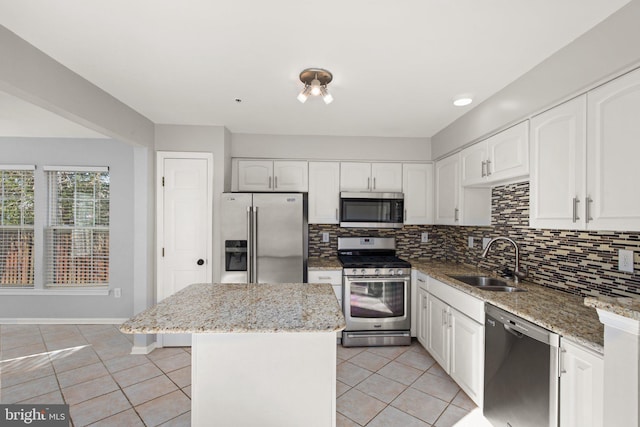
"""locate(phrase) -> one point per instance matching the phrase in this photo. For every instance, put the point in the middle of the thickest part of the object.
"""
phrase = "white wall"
(205, 139)
(79, 152)
(330, 147)
(608, 49)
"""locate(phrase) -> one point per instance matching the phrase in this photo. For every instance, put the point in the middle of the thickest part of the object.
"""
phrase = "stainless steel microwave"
(371, 210)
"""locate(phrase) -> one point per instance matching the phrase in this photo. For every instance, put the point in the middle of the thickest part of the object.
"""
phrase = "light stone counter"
(233, 308)
(623, 306)
(560, 312)
(319, 264)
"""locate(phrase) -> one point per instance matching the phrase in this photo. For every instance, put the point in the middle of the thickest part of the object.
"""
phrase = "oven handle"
(382, 334)
(379, 278)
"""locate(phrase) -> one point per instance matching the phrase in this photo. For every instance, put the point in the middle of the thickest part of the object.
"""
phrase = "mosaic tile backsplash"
(578, 262)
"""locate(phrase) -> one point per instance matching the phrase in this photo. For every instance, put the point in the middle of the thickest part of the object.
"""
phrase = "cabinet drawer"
(422, 280)
(470, 306)
(333, 277)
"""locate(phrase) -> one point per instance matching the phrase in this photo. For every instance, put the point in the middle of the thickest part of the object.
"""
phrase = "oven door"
(376, 303)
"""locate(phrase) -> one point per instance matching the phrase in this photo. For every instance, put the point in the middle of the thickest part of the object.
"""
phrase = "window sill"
(86, 292)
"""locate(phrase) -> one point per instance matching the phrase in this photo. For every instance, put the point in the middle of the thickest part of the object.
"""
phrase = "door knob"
(200, 261)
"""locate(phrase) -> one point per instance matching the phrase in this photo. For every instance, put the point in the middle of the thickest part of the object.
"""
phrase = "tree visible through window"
(16, 227)
(77, 234)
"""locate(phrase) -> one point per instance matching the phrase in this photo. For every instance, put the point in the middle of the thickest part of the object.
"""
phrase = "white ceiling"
(397, 65)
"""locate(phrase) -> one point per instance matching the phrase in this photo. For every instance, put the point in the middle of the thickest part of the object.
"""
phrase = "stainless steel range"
(376, 292)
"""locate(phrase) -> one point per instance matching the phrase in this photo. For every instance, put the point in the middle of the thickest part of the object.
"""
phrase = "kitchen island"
(262, 354)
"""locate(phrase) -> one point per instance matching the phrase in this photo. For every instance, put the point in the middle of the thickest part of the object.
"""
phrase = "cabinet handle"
(405, 216)
(562, 356)
(337, 214)
(488, 167)
(449, 322)
(444, 317)
(275, 180)
(368, 183)
(324, 278)
(269, 182)
(455, 214)
(483, 173)
(575, 209)
(374, 182)
(421, 280)
(587, 203)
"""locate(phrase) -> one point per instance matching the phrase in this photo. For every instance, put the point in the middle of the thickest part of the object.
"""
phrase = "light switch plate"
(625, 260)
(117, 292)
(470, 241)
(325, 237)
(424, 238)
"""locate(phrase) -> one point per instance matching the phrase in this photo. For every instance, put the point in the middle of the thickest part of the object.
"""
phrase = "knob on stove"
(363, 271)
(355, 271)
(400, 272)
(392, 272)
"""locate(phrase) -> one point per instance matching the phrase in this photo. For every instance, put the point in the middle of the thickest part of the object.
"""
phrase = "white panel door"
(473, 164)
(417, 185)
(185, 227)
(437, 332)
(290, 175)
(557, 175)
(255, 175)
(508, 153)
(613, 150)
(324, 192)
(467, 354)
(386, 177)
(422, 317)
(447, 174)
(355, 176)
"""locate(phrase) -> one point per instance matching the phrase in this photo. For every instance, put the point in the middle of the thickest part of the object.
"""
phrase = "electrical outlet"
(625, 260)
(117, 292)
(425, 237)
(470, 241)
(485, 242)
(325, 237)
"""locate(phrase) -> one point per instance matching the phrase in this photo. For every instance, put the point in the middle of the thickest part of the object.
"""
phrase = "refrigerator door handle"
(249, 245)
(254, 237)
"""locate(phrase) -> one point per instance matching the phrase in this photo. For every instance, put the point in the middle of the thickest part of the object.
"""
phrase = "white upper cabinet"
(558, 147)
(503, 157)
(457, 205)
(360, 176)
(417, 185)
(613, 150)
(584, 153)
(272, 175)
(324, 192)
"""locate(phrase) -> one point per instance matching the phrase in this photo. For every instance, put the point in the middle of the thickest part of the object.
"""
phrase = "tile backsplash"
(578, 262)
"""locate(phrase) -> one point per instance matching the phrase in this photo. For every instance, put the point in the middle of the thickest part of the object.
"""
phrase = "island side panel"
(265, 379)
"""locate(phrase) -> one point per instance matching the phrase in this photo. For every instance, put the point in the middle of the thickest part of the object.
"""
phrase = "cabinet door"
(437, 331)
(508, 154)
(324, 192)
(447, 174)
(355, 176)
(289, 175)
(386, 177)
(473, 164)
(613, 150)
(467, 354)
(422, 318)
(417, 185)
(558, 144)
(255, 175)
(581, 387)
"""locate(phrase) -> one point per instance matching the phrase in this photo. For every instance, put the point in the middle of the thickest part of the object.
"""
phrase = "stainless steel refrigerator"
(264, 237)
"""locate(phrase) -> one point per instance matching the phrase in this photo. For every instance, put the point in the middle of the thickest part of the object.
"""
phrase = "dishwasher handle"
(514, 323)
(513, 331)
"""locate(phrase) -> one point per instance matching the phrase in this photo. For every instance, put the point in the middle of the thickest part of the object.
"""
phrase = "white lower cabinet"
(419, 319)
(581, 386)
(453, 338)
(332, 277)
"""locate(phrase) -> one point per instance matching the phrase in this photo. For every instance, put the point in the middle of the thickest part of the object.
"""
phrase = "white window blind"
(16, 226)
(77, 231)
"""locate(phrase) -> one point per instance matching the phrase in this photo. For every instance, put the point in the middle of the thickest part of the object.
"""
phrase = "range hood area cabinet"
(584, 160)
(272, 175)
(363, 176)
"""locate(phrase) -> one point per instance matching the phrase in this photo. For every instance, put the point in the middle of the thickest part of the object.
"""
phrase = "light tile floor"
(89, 367)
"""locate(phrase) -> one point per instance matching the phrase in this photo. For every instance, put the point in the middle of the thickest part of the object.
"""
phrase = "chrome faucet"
(517, 273)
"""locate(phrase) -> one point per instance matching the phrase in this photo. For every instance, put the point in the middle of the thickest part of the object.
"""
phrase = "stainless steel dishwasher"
(520, 372)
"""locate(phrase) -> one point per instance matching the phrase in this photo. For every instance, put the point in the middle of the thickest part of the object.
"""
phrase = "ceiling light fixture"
(315, 83)
(462, 101)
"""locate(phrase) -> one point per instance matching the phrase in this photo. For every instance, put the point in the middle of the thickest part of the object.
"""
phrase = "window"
(16, 226)
(77, 231)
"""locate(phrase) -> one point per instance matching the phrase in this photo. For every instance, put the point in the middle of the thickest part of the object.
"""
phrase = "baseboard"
(140, 349)
(62, 321)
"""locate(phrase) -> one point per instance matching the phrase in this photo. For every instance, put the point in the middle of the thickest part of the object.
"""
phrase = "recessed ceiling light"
(462, 101)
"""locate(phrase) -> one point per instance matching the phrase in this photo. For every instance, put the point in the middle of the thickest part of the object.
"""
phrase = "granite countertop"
(328, 263)
(623, 306)
(557, 311)
(242, 308)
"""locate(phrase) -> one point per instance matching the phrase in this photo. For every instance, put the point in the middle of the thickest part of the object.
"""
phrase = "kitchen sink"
(488, 283)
